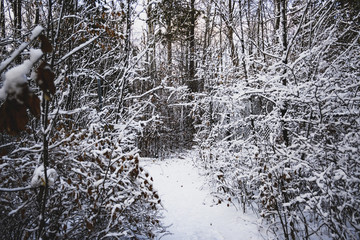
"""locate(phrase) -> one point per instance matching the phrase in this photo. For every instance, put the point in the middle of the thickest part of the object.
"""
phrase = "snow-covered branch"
(75, 50)
(16, 189)
(35, 33)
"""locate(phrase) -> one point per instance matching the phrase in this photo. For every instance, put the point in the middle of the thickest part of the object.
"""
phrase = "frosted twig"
(78, 48)
(15, 189)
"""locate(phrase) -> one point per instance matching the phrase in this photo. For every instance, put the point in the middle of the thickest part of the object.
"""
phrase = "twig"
(16, 189)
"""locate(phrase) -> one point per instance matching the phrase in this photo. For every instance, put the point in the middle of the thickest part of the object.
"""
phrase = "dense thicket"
(266, 90)
(74, 172)
(281, 131)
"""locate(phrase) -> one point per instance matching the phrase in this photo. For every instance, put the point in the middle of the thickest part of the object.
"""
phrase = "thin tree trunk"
(2, 18)
(277, 14)
(45, 157)
(206, 33)
(262, 29)
(284, 109)
(55, 40)
(221, 46)
(151, 42)
(37, 13)
(242, 44)
(126, 58)
(192, 41)
(193, 83)
(284, 80)
(15, 12)
(169, 40)
(230, 26)
(16, 5)
(206, 43)
(19, 17)
(284, 29)
(250, 32)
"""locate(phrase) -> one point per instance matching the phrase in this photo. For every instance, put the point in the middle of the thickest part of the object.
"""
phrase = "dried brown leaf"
(13, 117)
(89, 225)
(45, 80)
(33, 103)
(45, 44)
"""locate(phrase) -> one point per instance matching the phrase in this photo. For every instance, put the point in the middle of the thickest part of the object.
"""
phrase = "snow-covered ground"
(190, 210)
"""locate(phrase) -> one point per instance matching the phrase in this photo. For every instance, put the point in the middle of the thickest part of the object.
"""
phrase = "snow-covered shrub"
(107, 193)
(305, 184)
(86, 136)
(97, 188)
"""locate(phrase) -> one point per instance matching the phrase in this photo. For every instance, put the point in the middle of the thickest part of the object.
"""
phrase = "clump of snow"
(36, 32)
(97, 183)
(38, 178)
(35, 54)
(16, 76)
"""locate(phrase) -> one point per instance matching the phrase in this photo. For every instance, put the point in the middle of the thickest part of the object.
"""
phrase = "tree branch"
(16, 189)
(35, 33)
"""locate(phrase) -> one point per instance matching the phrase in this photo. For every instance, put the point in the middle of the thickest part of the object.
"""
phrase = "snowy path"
(190, 210)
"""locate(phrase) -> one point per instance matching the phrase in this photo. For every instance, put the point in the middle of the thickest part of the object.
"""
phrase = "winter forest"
(262, 95)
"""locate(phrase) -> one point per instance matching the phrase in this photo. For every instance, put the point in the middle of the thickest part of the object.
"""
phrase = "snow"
(97, 183)
(35, 33)
(78, 48)
(38, 178)
(16, 76)
(190, 210)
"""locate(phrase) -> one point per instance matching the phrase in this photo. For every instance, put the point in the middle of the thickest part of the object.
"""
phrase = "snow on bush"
(16, 76)
(304, 182)
(38, 178)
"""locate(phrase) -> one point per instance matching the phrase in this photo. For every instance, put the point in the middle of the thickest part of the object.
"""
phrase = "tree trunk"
(45, 153)
(283, 79)
(193, 83)
(18, 25)
(19, 17)
(262, 29)
(230, 25)
(16, 5)
(250, 27)
(151, 42)
(284, 109)
(206, 33)
(169, 40)
(125, 60)
(37, 13)
(242, 44)
(2, 18)
(277, 14)
(220, 57)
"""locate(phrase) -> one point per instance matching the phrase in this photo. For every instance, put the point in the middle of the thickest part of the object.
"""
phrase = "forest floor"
(191, 212)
